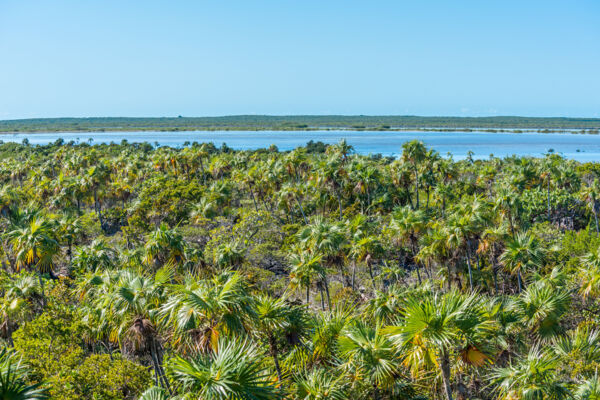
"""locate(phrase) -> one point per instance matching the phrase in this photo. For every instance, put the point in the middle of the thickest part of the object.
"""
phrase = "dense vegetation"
(134, 272)
(297, 122)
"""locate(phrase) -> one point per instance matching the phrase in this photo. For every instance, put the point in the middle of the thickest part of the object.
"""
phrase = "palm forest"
(133, 271)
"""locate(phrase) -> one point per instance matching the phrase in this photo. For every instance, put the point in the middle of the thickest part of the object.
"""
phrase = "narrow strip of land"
(298, 122)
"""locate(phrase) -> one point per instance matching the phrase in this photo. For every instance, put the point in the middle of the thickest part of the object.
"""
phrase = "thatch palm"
(432, 329)
(588, 389)
(198, 312)
(164, 246)
(413, 153)
(406, 226)
(14, 382)
(522, 254)
(229, 255)
(320, 384)
(540, 309)
(235, 371)
(127, 304)
(154, 393)
(96, 256)
(589, 274)
(271, 319)
(306, 268)
(369, 355)
(21, 293)
(533, 377)
(579, 347)
(70, 230)
(34, 246)
(591, 195)
(365, 249)
(508, 205)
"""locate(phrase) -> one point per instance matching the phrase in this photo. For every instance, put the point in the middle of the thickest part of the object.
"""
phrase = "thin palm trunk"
(445, 365)
(327, 292)
(548, 197)
(414, 249)
(253, 198)
(9, 333)
(417, 186)
(42, 290)
(202, 170)
(443, 206)
(418, 272)
(469, 266)
(275, 355)
(301, 209)
(156, 360)
(353, 273)
(307, 294)
(339, 198)
(495, 272)
(322, 298)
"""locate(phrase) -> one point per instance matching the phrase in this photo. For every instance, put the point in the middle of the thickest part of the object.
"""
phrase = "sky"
(74, 58)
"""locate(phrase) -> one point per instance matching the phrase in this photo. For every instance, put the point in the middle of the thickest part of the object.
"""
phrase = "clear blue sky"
(197, 58)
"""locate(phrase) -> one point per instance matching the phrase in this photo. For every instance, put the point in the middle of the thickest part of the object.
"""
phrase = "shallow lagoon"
(582, 147)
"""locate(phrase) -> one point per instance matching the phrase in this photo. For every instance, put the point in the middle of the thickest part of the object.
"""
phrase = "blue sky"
(196, 58)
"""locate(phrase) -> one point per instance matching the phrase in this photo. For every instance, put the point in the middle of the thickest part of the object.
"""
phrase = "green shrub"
(52, 345)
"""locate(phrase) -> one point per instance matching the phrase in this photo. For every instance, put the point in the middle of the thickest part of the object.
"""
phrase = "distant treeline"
(297, 122)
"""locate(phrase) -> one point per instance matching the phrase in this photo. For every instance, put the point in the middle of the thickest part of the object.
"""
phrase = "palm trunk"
(42, 289)
(445, 365)
(322, 298)
(274, 354)
(414, 250)
(443, 206)
(519, 281)
(469, 267)
(417, 187)
(301, 209)
(327, 292)
(339, 198)
(203, 174)
(253, 199)
(307, 294)
(548, 198)
(163, 382)
(9, 333)
(495, 272)
(353, 273)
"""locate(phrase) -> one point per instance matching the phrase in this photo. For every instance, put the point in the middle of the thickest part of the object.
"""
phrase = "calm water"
(482, 144)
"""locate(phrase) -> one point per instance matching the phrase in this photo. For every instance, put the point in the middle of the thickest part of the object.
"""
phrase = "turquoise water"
(482, 144)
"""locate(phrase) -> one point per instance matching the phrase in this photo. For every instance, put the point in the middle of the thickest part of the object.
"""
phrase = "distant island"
(299, 122)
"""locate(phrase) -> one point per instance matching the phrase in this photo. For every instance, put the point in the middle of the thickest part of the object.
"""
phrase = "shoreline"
(574, 131)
